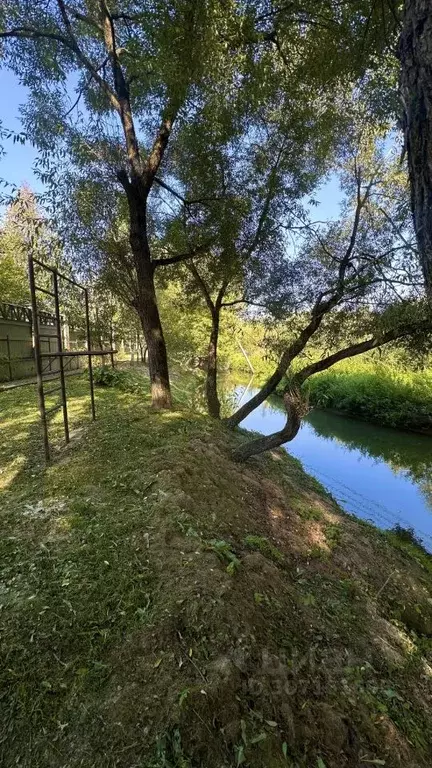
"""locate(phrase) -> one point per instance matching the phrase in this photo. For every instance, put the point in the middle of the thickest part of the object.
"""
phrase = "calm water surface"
(379, 474)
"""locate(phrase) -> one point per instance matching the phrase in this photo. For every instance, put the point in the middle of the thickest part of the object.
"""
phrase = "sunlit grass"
(120, 604)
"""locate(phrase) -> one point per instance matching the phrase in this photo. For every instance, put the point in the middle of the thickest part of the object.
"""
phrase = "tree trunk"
(415, 54)
(213, 402)
(146, 301)
(157, 355)
(285, 361)
(262, 394)
(295, 409)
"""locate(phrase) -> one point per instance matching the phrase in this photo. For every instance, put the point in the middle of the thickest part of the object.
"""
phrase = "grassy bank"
(163, 607)
(377, 393)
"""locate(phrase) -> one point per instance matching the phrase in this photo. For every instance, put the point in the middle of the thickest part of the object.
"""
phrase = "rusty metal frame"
(60, 354)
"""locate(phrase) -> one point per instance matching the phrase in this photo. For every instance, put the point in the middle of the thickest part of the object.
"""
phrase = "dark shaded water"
(379, 474)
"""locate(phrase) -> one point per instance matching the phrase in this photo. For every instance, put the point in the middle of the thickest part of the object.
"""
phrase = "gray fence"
(16, 346)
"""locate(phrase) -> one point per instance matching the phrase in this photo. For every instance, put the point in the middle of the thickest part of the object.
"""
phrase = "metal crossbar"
(53, 389)
(44, 290)
(54, 408)
(86, 353)
(63, 356)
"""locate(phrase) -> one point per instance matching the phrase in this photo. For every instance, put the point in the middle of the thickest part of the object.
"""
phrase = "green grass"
(164, 607)
(377, 393)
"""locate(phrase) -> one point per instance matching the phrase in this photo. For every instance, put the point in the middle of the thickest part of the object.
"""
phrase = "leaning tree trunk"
(415, 54)
(213, 402)
(146, 301)
(266, 390)
(296, 408)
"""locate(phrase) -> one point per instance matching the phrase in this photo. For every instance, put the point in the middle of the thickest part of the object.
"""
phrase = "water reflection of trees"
(404, 452)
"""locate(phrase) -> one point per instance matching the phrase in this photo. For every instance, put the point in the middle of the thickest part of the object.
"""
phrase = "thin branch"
(266, 205)
(85, 61)
(352, 351)
(184, 200)
(80, 93)
(200, 249)
(34, 34)
(397, 230)
(86, 19)
(243, 301)
(202, 286)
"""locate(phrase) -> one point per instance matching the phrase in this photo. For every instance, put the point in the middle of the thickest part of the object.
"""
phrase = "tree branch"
(221, 293)
(266, 205)
(352, 351)
(184, 200)
(243, 301)
(200, 249)
(33, 34)
(121, 90)
(202, 286)
(160, 143)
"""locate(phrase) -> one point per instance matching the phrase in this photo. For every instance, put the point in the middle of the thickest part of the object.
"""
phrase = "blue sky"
(16, 166)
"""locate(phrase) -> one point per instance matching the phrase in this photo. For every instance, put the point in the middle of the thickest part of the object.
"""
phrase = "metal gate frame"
(60, 354)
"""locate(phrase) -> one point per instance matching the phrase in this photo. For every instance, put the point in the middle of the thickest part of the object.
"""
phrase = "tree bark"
(214, 307)
(146, 301)
(213, 402)
(153, 333)
(295, 410)
(415, 54)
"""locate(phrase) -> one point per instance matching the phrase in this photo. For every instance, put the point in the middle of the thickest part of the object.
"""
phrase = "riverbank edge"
(363, 414)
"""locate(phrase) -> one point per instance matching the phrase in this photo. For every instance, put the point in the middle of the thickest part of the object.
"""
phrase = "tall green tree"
(141, 71)
(137, 69)
(355, 287)
(25, 230)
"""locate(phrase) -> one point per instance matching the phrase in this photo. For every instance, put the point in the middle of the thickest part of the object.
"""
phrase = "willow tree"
(251, 190)
(354, 287)
(239, 173)
(140, 70)
(137, 70)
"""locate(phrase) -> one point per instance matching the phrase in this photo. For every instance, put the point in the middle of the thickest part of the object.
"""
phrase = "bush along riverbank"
(378, 394)
(165, 607)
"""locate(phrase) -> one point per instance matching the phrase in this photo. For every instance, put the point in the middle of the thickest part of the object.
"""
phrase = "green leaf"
(240, 755)
(260, 737)
(183, 696)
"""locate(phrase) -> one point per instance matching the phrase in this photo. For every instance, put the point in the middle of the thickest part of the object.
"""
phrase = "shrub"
(381, 394)
(127, 381)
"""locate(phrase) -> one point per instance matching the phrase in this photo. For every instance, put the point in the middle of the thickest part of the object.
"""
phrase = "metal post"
(112, 344)
(9, 358)
(60, 349)
(89, 356)
(38, 361)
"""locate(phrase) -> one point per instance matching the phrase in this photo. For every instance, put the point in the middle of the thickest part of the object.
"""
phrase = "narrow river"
(379, 474)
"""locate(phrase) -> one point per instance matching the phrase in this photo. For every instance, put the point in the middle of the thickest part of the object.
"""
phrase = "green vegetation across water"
(382, 394)
(164, 607)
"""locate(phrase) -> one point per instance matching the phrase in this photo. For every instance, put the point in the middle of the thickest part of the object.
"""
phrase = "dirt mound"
(207, 613)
